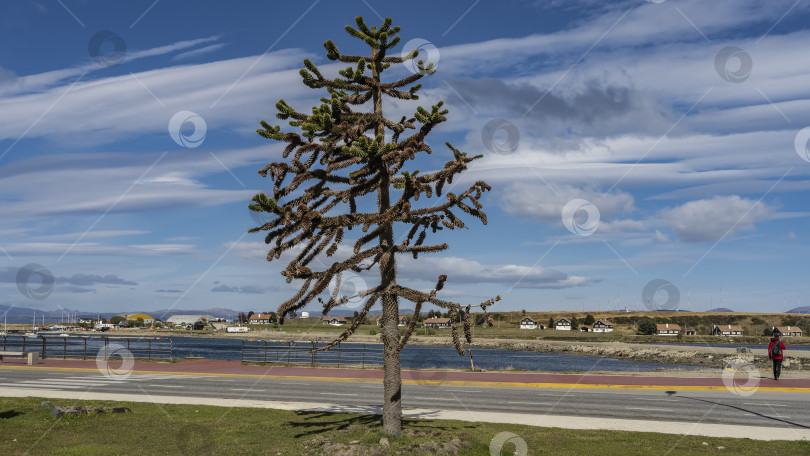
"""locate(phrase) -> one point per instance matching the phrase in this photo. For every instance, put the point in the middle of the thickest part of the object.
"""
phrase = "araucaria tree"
(345, 154)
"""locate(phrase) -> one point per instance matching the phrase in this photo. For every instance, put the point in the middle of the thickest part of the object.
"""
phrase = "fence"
(148, 348)
(293, 352)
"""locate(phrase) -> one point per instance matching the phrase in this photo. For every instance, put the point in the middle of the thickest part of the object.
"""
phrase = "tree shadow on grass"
(10, 414)
(321, 421)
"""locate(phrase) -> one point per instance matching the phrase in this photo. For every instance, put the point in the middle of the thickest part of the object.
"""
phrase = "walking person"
(776, 351)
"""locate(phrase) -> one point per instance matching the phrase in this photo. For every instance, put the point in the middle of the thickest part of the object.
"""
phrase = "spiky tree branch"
(339, 157)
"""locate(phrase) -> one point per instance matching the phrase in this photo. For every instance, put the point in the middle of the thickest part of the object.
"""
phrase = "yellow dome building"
(147, 319)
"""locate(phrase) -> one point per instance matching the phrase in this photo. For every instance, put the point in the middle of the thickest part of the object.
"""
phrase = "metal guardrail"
(306, 352)
(85, 347)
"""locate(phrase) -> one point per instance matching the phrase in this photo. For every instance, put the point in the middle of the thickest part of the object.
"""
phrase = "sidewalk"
(427, 377)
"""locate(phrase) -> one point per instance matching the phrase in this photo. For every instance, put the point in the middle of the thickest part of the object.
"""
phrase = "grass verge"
(27, 428)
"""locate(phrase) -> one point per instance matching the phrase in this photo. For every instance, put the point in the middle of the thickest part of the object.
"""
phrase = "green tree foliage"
(340, 161)
(589, 320)
(117, 319)
(646, 326)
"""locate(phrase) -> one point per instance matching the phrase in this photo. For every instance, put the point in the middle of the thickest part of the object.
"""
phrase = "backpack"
(776, 349)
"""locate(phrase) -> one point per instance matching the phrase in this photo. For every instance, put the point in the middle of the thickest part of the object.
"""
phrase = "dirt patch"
(322, 446)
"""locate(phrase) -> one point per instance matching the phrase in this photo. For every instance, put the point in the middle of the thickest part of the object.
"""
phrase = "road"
(658, 406)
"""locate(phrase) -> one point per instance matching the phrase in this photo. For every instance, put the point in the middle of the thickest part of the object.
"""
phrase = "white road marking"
(17, 385)
(764, 404)
(531, 403)
(339, 394)
(648, 409)
(247, 389)
(168, 386)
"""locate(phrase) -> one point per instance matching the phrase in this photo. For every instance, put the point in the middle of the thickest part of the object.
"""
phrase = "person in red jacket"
(776, 351)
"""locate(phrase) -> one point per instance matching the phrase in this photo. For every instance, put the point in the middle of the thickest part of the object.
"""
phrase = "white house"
(403, 320)
(563, 324)
(438, 323)
(787, 331)
(305, 314)
(727, 330)
(602, 326)
(667, 329)
(334, 321)
(528, 323)
(262, 319)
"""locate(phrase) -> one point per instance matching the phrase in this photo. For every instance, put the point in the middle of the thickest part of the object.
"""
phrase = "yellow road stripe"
(779, 389)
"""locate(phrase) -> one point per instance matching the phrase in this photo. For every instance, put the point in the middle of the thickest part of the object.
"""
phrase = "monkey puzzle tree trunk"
(392, 380)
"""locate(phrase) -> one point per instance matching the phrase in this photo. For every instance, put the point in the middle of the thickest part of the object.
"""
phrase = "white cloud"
(199, 52)
(714, 219)
(91, 248)
(545, 203)
(660, 237)
(428, 268)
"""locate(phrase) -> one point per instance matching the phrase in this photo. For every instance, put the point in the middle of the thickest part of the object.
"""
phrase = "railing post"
(338, 347)
(43, 347)
(363, 357)
(171, 350)
(289, 350)
(149, 349)
(242, 353)
(64, 348)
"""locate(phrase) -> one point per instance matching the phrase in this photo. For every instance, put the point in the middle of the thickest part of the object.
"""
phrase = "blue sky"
(625, 142)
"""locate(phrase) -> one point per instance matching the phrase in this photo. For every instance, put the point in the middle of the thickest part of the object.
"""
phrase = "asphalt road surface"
(771, 409)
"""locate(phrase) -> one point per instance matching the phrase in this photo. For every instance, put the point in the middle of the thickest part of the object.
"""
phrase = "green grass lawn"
(151, 429)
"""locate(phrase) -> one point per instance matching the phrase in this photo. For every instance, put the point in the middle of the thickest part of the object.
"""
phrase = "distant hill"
(218, 312)
(24, 315)
(720, 309)
(799, 310)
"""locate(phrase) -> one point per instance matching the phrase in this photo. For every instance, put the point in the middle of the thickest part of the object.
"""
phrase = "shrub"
(646, 326)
